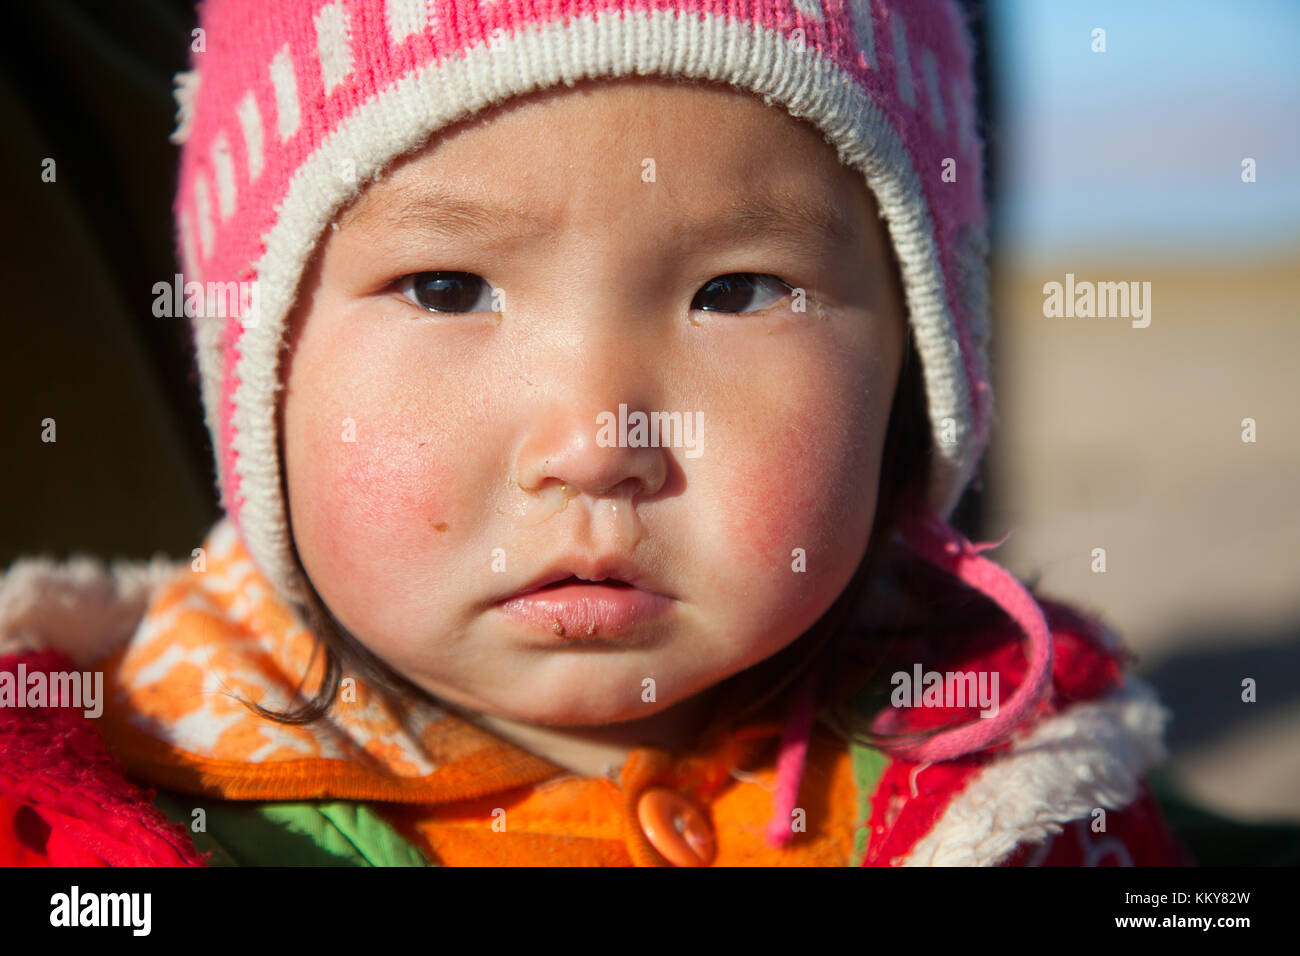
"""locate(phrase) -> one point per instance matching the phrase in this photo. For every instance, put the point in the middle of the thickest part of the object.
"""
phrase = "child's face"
(426, 449)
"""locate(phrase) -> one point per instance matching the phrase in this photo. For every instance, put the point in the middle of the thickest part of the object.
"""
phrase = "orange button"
(676, 827)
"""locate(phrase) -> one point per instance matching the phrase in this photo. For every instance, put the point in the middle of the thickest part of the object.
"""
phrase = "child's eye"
(455, 292)
(446, 291)
(736, 292)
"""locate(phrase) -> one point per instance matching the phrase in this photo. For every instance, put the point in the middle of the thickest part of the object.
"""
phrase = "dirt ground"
(1130, 439)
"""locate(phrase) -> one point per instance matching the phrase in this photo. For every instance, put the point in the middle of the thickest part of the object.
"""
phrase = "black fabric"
(129, 473)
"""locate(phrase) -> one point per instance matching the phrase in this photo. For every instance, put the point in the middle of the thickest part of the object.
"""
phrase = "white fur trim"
(1090, 755)
(81, 606)
(401, 118)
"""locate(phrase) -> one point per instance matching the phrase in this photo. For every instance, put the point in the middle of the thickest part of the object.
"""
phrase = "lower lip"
(576, 612)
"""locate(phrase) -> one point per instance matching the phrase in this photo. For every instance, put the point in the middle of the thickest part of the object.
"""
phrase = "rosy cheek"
(775, 498)
(386, 496)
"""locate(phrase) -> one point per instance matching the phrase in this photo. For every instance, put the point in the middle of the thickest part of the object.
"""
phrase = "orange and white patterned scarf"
(215, 635)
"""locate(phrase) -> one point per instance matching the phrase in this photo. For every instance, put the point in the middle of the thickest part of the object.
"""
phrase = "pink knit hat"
(294, 105)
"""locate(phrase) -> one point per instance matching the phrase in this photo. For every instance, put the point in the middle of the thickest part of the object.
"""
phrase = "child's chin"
(562, 712)
(563, 715)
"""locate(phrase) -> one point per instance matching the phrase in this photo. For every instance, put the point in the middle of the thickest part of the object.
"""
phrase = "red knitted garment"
(64, 800)
(906, 806)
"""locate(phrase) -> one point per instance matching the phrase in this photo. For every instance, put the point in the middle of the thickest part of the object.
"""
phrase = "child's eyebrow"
(789, 219)
(785, 218)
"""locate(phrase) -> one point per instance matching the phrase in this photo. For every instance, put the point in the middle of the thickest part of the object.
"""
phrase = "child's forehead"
(822, 213)
(483, 165)
(796, 216)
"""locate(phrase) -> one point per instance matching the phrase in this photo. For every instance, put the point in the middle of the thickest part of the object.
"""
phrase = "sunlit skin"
(463, 418)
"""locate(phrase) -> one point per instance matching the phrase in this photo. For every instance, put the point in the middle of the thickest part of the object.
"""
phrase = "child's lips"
(574, 609)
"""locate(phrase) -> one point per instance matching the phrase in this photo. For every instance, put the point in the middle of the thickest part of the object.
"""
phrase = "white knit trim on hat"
(401, 118)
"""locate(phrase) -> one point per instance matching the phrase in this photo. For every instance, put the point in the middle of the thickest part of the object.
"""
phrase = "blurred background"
(1127, 166)
(1115, 166)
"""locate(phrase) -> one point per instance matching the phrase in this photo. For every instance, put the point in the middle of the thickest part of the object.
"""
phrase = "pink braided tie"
(950, 550)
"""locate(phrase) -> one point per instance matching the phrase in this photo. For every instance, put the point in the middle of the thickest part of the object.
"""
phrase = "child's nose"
(570, 447)
(598, 369)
